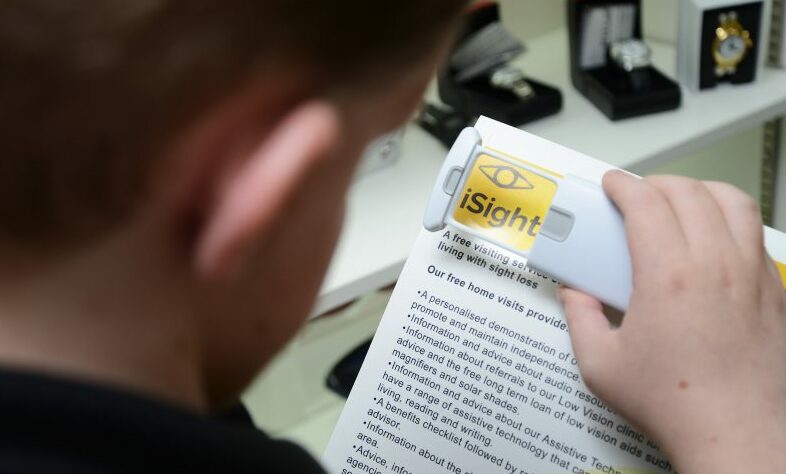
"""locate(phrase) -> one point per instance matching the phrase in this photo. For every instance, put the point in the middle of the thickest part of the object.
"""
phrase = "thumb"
(590, 333)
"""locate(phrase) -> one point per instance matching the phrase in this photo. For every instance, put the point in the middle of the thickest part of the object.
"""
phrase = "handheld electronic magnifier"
(565, 226)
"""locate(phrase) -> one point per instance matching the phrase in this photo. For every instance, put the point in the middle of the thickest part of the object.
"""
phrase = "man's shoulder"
(57, 425)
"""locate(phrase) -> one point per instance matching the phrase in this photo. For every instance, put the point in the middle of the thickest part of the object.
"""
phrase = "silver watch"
(633, 56)
(513, 80)
(630, 54)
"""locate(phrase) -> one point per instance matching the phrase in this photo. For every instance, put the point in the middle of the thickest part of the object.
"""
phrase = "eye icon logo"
(506, 177)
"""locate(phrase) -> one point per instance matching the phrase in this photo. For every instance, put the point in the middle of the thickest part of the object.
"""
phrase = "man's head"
(92, 90)
(199, 150)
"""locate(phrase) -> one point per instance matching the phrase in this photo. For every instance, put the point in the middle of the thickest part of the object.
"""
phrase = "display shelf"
(643, 143)
(384, 214)
(385, 208)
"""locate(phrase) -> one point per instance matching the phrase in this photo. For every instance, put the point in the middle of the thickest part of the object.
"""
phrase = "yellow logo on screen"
(504, 202)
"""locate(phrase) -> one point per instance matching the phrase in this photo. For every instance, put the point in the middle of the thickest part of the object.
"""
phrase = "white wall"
(659, 18)
(535, 17)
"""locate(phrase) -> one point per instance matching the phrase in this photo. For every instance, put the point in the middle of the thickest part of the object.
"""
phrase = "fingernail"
(622, 173)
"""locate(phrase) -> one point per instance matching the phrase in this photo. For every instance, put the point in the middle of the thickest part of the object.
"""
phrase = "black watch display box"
(478, 97)
(750, 15)
(610, 88)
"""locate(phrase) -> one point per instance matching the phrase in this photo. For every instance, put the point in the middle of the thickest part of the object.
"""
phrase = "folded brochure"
(471, 369)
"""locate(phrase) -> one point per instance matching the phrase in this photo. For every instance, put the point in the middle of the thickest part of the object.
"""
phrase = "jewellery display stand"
(721, 41)
(479, 96)
(593, 25)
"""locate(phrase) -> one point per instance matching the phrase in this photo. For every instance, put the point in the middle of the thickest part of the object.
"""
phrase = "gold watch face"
(732, 49)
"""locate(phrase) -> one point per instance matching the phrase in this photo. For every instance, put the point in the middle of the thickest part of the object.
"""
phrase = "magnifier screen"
(503, 202)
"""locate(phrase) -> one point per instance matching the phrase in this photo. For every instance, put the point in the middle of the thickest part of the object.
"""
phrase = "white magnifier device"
(564, 226)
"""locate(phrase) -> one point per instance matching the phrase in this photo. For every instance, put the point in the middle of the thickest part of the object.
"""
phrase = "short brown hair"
(90, 89)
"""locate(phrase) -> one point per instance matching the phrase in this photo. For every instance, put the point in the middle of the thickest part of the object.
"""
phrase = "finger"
(743, 217)
(592, 337)
(704, 224)
(654, 233)
(774, 270)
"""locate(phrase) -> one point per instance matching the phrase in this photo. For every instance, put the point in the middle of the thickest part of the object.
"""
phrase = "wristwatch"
(731, 44)
(512, 79)
(633, 56)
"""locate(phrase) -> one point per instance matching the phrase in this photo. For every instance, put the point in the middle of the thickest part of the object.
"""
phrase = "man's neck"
(124, 326)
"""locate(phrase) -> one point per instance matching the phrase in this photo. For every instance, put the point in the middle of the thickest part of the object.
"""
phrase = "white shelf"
(384, 215)
(385, 208)
(643, 143)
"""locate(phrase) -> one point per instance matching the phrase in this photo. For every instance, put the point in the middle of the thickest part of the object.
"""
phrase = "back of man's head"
(92, 91)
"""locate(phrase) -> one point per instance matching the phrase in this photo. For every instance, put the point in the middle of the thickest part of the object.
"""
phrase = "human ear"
(248, 201)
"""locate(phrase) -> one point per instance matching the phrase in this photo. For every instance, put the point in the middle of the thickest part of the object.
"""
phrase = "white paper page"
(471, 369)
